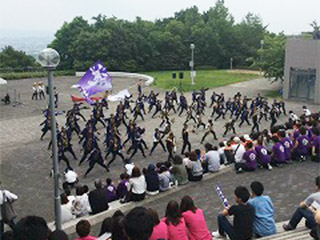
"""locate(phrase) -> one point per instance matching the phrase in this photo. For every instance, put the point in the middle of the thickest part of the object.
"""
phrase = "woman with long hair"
(177, 229)
(194, 219)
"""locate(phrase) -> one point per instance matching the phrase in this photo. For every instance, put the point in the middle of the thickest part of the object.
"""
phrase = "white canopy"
(2, 81)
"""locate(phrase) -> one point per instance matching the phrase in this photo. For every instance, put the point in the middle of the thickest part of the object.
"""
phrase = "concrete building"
(302, 70)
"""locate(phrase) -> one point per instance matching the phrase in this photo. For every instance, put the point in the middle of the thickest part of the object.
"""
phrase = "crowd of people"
(253, 216)
(296, 140)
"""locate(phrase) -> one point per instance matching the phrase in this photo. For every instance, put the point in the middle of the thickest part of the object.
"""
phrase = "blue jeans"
(225, 227)
(303, 213)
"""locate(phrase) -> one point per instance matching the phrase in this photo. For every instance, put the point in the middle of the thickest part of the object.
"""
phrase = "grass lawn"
(275, 94)
(204, 79)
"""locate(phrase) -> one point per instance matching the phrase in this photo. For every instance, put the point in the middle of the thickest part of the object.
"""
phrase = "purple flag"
(96, 79)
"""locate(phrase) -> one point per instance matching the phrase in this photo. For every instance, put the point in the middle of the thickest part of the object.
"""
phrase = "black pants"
(64, 158)
(139, 146)
(185, 144)
(136, 115)
(92, 163)
(207, 133)
(242, 121)
(114, 154)
(255, 126)
(229, 128)
(243, 166)
(155, 144)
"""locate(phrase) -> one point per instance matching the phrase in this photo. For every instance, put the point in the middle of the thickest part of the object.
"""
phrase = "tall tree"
(11, 58)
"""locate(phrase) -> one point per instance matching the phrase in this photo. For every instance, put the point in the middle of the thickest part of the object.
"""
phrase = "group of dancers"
(129, 112)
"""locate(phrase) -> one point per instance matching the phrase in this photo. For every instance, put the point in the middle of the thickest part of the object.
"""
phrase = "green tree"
(11, 58)
(271, 57)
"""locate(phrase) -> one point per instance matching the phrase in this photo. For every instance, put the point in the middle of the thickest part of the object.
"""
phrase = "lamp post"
(231, 63)
(192, 46)
(49, 59)
(261, 47)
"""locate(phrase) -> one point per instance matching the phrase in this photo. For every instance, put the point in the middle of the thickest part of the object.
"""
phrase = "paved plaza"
(26, 164)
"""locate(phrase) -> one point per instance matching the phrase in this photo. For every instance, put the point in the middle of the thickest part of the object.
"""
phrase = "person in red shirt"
(195, 221)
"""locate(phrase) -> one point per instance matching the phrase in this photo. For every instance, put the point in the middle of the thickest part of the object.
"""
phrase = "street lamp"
(192, 73)
(261, 47)
(49, 60)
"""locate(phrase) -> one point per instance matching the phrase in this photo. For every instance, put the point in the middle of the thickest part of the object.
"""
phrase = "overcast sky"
(46, 16)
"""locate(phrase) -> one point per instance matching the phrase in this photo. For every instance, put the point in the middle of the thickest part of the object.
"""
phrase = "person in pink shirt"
(177, 229)
(195, 221)
(160, 229)
(83, 228)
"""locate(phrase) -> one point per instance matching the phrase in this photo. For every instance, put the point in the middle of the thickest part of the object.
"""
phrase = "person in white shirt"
(306, 111)
(66, 209)
(137, 186)
(71, 177)
(5, 196)
(212, 158)
(238, 150)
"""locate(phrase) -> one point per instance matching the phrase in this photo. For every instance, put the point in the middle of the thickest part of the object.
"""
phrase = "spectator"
(243, 217)
(263, 157)
(8, 235)
(70, 176)
(315, 148)
(83, 228)
(195, 170)
(178, 171)
(5, 196)
(249, 158)
(315, 232)
(278, 155)
(137, 187)
(58, 235)
(80, 206)
(98, 198)
(177, 229)
(195, 221)
(66, 209)
(264, 224)
(152, 180)
(300, 150)
(221, 153)
(31, 228)
(304, 212)
(160, 229)
(287, 143)
(129, 165)
(122, 188)
(70, 197)
(212, 158)
(164, 179)
(110, 190)
(118, 232)
(238, 150)
(138, 224)
(106, 229)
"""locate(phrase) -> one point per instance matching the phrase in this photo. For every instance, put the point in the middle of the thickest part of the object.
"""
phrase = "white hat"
(246, 137)
(236, 140)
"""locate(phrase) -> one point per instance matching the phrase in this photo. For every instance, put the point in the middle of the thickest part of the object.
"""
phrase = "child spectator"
(243, 217)
(83, 228)
(160, 229)
(264, 224)
(111, 190)
(195, 221)
(177, 229)
(122, 188)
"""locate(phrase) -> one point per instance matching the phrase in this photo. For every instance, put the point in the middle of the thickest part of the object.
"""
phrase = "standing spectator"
(195, 170)
(122, 188)
(66, 209)
(83, 228)
(34, 91)
(110, 190)
(164, 179)
(264, 224)
(212, 158)
(177, 229)
(178, 171)
(31, 228)
(6, 196)
(138, 224)
(152, 180)
(98, 198)
(303, 211)
(195, 221)
(160, 229)
(137, 187)
(243, 217)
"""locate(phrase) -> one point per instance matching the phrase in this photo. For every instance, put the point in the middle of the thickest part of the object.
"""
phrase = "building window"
(302, 83)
